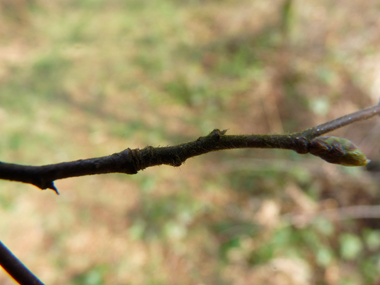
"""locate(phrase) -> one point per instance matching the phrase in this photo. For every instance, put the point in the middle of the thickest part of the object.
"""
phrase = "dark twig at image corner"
(16, 268)
(130, 161)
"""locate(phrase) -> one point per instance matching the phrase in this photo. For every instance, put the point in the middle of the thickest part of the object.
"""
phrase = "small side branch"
(130, 161)
(327, 127)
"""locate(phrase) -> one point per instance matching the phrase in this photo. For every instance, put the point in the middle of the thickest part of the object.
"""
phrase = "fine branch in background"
(130, 161)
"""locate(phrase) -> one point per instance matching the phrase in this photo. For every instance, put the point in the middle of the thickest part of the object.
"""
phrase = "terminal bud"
(337, 150)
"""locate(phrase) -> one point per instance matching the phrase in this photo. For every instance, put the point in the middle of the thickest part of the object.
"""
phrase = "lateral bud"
(338, 150)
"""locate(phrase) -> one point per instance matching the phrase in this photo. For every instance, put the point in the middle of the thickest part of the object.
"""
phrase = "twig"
(341, 122)
(130, 161)
(15, 268)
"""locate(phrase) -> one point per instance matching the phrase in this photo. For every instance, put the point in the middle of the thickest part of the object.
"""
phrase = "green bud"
(338, 150)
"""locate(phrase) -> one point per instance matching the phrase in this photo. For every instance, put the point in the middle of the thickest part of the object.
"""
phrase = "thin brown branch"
(130, 161)
(327, 127)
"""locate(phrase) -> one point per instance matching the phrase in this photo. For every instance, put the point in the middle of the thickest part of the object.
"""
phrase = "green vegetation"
(80, 79)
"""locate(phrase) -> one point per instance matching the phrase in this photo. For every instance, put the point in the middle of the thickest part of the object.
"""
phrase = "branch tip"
(48, 185)
(54, 188)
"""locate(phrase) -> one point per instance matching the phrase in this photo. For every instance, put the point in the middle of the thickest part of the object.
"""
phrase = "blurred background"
(81, 79)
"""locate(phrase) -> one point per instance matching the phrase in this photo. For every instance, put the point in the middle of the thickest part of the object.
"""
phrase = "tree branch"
(15, 268)
(130, 161)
